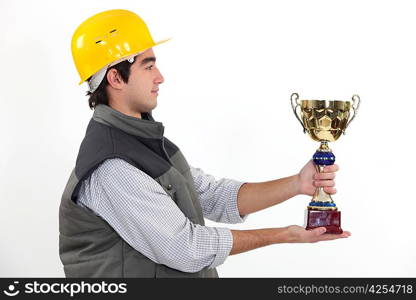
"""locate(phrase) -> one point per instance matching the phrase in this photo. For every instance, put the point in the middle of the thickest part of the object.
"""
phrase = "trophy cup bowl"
(324, 121)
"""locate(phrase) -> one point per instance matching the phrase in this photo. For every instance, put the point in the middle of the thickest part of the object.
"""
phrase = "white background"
(229, 72)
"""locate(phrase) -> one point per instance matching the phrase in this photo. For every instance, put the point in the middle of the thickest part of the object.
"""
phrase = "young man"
(133, 206)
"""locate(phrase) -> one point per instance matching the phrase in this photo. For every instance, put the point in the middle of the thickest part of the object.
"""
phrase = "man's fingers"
(316, 232)
(332, 168)
(329, 237)
(323, 183)
(330, 190)
(324, 176)
(318, 235)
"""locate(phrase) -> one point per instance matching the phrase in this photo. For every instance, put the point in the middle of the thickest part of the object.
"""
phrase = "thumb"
(318, 231)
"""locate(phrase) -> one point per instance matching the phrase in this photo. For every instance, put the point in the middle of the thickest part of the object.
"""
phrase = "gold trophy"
(324, 121)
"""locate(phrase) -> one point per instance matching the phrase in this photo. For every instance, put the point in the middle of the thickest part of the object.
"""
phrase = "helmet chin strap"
(98, 77)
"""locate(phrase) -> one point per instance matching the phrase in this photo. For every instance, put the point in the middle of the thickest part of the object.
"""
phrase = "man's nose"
(159, 78)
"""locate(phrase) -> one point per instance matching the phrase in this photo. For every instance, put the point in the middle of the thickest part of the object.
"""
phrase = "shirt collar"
(146, 127)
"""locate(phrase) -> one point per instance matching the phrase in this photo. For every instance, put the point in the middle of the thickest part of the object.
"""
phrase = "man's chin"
(152, 106)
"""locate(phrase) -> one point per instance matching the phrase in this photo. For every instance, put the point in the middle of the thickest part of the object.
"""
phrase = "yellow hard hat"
(109, 36)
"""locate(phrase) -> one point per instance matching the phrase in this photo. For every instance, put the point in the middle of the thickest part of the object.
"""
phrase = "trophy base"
(330, 219)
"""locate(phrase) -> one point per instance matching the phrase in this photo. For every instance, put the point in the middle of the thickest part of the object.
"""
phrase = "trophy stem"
(322, 157)
(322, 210)
(321, 196)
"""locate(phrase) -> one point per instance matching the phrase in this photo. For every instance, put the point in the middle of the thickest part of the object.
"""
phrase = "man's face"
(143, 85)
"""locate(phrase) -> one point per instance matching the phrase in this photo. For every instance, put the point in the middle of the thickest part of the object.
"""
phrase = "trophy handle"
(355, 106)
(294, 99)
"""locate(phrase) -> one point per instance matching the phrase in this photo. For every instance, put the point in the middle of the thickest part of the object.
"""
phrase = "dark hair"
(99, 96)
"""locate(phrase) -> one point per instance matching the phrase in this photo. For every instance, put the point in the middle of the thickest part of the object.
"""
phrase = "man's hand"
(309, 179)
(298, 234)
(255, 196)
(245, 240)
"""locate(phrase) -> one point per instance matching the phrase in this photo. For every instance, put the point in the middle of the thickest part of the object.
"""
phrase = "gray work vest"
(88, 245)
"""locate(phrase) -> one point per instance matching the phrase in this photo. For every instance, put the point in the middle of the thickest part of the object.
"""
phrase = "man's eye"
(148, 68)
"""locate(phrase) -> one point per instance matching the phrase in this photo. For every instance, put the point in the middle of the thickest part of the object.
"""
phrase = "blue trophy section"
(322, 204)
(324, 158)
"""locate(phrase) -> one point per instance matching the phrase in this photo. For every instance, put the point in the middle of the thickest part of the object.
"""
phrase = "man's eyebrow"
(147, 59)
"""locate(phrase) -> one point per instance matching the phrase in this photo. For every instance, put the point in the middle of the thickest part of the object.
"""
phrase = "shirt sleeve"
(218, 198)
(141, 212)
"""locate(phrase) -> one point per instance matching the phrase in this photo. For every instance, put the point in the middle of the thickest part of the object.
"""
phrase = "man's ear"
(114, 79)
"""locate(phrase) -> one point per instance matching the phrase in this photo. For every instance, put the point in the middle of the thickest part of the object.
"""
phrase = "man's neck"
(125, 110)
